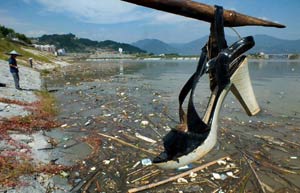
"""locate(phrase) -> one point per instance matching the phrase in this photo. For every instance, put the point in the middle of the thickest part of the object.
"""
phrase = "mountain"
(155, 46)
(263, 43)
(269, 44)
(73, 44)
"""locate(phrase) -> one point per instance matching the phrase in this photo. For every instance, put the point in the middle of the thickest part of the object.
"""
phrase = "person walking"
(13, 67)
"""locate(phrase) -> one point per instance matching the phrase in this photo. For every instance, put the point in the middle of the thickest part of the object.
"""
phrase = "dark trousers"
(16, 79)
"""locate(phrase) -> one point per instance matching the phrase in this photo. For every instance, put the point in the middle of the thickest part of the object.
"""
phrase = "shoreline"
(122, 106)
(20, 112)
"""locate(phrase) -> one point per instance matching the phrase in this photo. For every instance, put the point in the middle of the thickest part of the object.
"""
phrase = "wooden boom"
(204, 12)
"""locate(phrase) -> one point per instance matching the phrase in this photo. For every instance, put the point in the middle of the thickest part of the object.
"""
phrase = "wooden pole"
(204, 12)
(174, 177)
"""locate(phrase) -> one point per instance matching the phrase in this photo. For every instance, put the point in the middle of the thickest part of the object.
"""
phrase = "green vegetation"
(7, 46)
(47, 103)
(10, 33)
(73, 44)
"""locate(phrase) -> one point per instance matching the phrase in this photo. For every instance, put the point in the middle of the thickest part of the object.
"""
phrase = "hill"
(71, 43)
(263, 43)
(11, 40)
(155, 46)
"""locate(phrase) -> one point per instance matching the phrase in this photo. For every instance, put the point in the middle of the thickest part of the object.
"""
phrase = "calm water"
(276, 83)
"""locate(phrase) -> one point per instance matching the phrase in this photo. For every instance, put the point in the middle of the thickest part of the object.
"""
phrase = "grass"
(7, 46)
(47, 103)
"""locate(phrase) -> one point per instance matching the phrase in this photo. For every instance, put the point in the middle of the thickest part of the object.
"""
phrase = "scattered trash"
(145, 138)
(186, 167)
(66, 138)
(221, 162)
(64, 174)
(106, 162)
(192, 175)
(293, 157)
(182, 180)
(146, 162)
(64, 125)
(77, 180)
(230, 174)
(136, 164)
(144, 123)
(216, 176)
(223, 176)
(93, 168)
(87, 123)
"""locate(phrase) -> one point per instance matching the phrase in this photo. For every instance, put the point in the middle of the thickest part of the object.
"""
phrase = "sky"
(124, 22)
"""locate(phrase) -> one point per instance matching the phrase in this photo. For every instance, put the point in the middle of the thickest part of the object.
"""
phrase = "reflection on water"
(276, 82)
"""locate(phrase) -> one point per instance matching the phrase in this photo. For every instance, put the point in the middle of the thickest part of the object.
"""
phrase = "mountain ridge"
(263, 43)
(71, 43)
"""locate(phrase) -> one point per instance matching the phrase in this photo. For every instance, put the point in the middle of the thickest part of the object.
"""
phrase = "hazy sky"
(124, 22)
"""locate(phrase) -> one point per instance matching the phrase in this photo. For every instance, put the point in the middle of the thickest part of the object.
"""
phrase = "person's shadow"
(28, 89)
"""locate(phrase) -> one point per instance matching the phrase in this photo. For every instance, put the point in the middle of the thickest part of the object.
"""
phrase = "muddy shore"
(100, 108)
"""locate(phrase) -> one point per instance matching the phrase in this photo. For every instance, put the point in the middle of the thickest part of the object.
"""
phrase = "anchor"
(227, 68)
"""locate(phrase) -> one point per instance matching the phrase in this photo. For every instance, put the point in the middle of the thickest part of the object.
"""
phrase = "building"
(46, 48)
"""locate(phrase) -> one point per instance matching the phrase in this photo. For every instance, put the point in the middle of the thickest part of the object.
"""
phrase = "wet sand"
(122, 98)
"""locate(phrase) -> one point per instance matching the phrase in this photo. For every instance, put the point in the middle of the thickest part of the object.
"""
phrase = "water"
(276, 83)
(93, 90)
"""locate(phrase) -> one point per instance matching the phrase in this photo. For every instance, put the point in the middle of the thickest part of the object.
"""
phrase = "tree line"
(10, 33)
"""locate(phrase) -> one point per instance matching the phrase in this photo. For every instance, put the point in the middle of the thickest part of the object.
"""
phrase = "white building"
(47, 48)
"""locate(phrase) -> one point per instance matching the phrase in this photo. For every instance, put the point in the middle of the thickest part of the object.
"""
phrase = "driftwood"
(127, 144)
(255, 174)
(203, 12)
(174, 177)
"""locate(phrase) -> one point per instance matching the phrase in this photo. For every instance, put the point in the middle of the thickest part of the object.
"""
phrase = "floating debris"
(216, 176)
(182, 180)
(136, 164)
(221, 162)
(64, 125)
(230, 174)
(146, 162)
(64, 174)
(145, 138)
(186, 167)
(106, 162)
(192, 175)
(87, 123)
(144, 123)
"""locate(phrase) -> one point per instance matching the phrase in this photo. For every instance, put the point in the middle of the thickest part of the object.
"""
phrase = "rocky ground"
(29, 81)
(16, 146)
